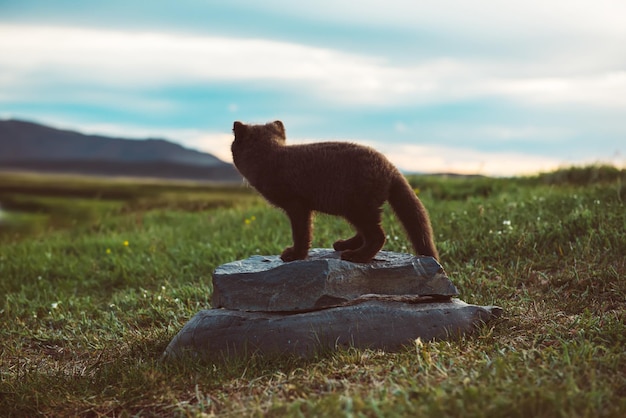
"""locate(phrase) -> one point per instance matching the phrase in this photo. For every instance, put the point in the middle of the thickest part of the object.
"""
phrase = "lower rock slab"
(385, 323)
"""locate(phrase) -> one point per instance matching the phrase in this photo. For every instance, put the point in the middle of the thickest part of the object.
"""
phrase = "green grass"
(97, 276)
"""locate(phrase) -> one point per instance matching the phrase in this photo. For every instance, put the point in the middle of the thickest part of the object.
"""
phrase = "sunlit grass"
(87, 307)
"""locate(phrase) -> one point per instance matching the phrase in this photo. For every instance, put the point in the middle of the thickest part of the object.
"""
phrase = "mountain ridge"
(35, 147)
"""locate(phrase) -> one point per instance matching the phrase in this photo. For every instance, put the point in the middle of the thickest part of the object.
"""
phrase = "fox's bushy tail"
(413, 216)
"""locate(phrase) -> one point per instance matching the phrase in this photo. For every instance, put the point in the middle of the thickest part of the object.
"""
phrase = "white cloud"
(524, 18)
(147, 59)
(438, 159)
(606, 89)
(37, 56)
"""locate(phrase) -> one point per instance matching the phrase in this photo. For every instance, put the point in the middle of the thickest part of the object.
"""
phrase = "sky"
(474, 86)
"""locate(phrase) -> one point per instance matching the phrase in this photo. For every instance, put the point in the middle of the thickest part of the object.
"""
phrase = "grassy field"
(96, 277)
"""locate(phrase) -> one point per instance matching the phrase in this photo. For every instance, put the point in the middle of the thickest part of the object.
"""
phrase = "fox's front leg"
(301, 231)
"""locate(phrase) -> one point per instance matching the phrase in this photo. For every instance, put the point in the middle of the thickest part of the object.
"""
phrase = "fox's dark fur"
(338, 178)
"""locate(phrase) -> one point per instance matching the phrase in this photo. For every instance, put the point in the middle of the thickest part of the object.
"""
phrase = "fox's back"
(335, 176)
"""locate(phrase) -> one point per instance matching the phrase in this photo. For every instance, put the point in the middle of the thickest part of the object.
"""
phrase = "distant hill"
(34, 147)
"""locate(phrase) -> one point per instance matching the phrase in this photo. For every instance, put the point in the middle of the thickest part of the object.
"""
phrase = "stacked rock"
(263, 305)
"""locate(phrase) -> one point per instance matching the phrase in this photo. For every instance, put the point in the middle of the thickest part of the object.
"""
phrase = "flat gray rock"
(383, 323)
(263, 305)
(267, 284)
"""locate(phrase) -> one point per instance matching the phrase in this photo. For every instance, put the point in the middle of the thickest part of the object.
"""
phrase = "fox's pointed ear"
(281, 128)
(239, 128)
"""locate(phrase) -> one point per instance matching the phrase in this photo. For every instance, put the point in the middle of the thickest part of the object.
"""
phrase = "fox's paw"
(290, 254)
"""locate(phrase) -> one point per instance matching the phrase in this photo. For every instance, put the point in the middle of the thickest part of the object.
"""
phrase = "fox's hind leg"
(367, 224)
(353, 243)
